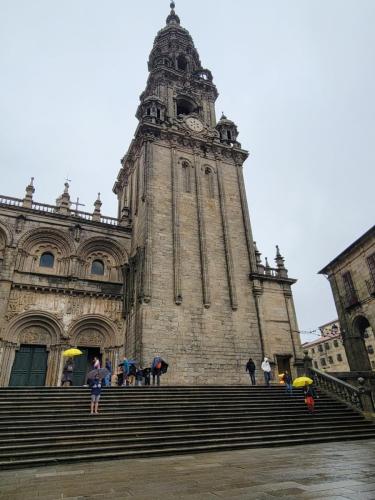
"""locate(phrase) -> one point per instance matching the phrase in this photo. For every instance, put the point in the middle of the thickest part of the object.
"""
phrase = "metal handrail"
(342, 390)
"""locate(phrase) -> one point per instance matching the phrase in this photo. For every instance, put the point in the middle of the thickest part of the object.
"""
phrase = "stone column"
(9, 352)
(54, 366)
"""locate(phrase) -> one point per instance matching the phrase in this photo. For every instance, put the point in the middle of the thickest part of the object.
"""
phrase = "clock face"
(194, 124)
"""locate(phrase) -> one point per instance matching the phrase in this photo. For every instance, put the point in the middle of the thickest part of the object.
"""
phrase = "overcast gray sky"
(297, 76)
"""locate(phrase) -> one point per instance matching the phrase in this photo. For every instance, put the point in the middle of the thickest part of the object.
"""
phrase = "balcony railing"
(340, 389)
(351, 300)
(53, 209)
(8, 200)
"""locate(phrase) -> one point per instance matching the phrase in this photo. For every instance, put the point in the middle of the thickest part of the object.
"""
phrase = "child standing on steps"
(310, 396)
(96, 388)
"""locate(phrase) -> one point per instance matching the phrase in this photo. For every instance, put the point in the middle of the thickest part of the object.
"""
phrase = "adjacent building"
(352, 278)
(328, 352)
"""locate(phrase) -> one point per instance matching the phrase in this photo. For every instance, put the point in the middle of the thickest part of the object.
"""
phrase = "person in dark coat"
(108, 378)
(67, 378)
(287, 378)
(158, 367)
(250, 367)
(146, 375)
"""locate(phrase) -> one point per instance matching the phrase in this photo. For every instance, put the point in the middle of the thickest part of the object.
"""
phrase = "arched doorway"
(90, 342)
(30, 361)
(31, 353)
(355, 345)
(97, 336)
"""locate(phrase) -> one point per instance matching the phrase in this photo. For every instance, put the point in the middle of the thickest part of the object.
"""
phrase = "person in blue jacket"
(158, 367)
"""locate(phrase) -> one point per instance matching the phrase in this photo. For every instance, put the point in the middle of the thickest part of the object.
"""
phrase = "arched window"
(186, 180)
(210, 182)
(181, 63)
(97, 267)
(47, 259)
(185, 107)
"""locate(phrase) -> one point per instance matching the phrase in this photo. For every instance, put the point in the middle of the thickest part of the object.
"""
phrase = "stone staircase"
(45, 426)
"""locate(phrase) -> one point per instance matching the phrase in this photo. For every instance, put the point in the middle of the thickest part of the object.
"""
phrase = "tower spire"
(173, 17)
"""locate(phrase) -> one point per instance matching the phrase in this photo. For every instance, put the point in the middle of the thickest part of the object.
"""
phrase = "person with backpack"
(158, 367)
(250, 367)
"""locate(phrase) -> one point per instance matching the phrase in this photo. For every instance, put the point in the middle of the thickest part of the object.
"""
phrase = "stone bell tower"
(193, 285)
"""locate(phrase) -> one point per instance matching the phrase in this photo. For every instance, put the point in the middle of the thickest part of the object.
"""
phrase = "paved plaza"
(330, 471)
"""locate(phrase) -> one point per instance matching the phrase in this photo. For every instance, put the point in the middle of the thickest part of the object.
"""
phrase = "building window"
(323, 362)
(320, 348)
(312, 350)
(186, 179)
(181, 63)
(370, 349)
(97, 267)
(336, 343)
(315, 364)
(327, 346)
(373, 364)
(210, 182)
(371, 265)
(330, 359)
(47, 259)
(339, 357)
(350, 292)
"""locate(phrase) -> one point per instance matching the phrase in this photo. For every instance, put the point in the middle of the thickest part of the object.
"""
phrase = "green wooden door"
(30, 366)
(80, 367)
(83, 364)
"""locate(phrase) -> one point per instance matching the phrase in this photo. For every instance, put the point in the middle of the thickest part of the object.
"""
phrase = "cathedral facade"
(177, 273)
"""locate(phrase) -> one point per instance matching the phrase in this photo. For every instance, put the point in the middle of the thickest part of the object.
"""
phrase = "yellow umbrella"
(72, 352)
(302, 381)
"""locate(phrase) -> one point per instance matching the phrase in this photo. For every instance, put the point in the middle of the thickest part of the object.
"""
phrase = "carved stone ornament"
(35, 335)
(90, 338)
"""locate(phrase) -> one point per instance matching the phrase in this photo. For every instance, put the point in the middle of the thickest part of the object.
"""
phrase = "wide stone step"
(151, 414)
(192, 441)
(162, 437)
(56, 435)
(162, 406)
(174, 450)
(50, 425)
(100, 423)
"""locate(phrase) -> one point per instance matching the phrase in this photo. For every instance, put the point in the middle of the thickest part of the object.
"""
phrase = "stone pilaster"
(176, 229)
(202, 233)
(226, 238)
(246, 220)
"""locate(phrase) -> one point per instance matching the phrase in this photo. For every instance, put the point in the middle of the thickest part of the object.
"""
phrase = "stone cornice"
(178, 136)
(275, 279)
